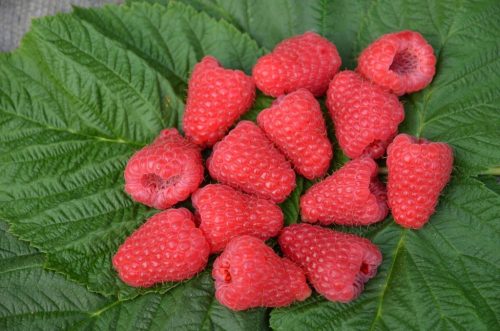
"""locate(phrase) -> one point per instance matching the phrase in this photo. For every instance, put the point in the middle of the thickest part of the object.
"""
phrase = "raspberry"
(337, 264)
(225, 213)
(418, 170)
(245, 159)
(217, 97)
(165, 172)
(305, 61)
(168, 247)
(249, 274)
(353, 195)
(366, 117)
(295, 124)
(402, 62)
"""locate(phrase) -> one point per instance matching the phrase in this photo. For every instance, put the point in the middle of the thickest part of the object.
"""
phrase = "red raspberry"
(418, 170)
(247, 160)
(295, 124)
(249, 274)
(226, 213)
(217, 97)
(402, 62)
(353, 195)
(168, 247)
(165, 172)
(366, 117)
(306, 61)
(337, 264)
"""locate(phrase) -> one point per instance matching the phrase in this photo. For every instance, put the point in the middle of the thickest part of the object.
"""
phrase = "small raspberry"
(249, 274)
(295, 124)
(366, 117)
(305, 61)
(337, 264)
(165, 172)
(418, 170)
(245, 159)
(217, 97)
(402, 62)
(226, 213)
(168, 247)
(353, 195)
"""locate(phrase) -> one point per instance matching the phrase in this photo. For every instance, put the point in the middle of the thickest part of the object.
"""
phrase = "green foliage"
(87, 89)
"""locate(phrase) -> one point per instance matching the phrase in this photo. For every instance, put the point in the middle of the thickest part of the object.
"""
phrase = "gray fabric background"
(16, 15)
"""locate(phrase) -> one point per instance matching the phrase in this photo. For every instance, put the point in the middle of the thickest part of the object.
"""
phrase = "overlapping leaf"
(86, 90)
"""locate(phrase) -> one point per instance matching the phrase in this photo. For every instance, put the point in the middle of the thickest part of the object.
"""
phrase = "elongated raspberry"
(305, 61)
(418, 170)
(366, 117)
(165, 172)
(337, 264)
(226, 213)
(168, 247)
(249, 274)
(353, 195)
(217, 97)
(402, 62)
(245, 159)
(296, 126)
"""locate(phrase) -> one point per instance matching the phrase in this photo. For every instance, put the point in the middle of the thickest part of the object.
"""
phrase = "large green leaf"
(86, 90)
(34, 298)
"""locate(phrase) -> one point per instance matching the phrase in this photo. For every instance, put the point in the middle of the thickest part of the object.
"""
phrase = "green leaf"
(34, 298)
(75, 103)
(442, 277)
(86, 90)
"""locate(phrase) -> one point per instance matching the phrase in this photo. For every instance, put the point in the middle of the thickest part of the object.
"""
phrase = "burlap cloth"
(16, 15)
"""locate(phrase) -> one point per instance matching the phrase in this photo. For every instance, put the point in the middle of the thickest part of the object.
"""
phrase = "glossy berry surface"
(225, 213)
(337, 264)
(167, 247)
(418, 170)
(295, 124)
(165, 172)
(249, 274)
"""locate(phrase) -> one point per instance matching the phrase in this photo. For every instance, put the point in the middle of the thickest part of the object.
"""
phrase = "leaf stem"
(495, 171)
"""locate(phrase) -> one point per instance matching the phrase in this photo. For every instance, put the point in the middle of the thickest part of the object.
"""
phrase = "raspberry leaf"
(35, 298)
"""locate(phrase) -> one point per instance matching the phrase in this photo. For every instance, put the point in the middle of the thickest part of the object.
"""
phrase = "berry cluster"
(254, 165)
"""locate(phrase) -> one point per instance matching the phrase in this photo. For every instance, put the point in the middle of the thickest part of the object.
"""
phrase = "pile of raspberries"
(254, 166)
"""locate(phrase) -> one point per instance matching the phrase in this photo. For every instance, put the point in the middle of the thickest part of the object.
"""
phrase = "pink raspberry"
(418, 170)
(353, 195)
(217, 97)
(245, 159)
(402, 62)
(295, 124)
(366, 117)
(168, 247)
(336, 264)
(249, 274)
(226, 213)
(165, 172)
(305, 61)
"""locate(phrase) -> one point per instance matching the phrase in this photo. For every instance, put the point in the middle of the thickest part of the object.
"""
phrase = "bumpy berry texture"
(366, 117)
(305, 61)
(225, 213)
(245, 159)
(249, 274)
(296, 126)
(168, 247)
(165, 172)
(337, 264)
(217, 97)
(403, 62)
(418, 170)
(353, 195)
